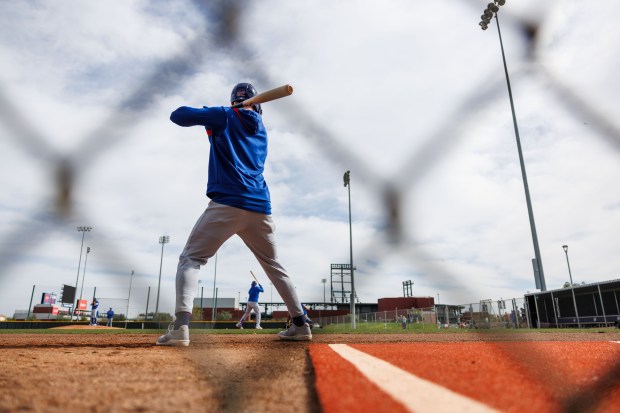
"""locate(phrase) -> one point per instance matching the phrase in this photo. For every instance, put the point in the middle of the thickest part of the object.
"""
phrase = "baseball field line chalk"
(416, 394)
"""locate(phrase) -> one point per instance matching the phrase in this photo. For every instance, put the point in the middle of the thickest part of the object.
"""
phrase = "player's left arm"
(213, 118)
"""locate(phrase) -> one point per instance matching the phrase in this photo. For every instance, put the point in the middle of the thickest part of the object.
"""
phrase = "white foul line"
(416, 394)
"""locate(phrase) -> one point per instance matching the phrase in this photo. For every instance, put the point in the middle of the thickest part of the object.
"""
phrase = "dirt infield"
(217, 373)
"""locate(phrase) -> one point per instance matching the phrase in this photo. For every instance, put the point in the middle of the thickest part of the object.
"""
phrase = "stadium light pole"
(84, 271)
(490, 12)
(324, 281)
(83, 230)
(215, 289)
(347, 184)
(162, 240)
(128, 298)
(572, 288)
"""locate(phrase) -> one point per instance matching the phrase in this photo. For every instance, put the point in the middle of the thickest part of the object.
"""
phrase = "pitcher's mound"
(85, 327)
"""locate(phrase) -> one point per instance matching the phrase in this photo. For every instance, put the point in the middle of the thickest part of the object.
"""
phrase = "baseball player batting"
(239, 204)
(253, 292)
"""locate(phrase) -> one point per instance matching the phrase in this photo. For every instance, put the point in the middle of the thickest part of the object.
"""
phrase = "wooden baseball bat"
(254, 277)
(268, 96)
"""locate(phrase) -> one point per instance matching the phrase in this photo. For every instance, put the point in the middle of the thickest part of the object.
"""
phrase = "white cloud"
(375, 84)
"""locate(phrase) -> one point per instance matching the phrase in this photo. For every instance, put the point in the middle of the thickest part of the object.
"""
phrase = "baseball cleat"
(239, 326)
(259, 328)
(295, 333)
(179, 338)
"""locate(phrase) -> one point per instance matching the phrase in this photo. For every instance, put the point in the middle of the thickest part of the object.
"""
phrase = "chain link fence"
(224, 34)
(486, 314)
(132, 304)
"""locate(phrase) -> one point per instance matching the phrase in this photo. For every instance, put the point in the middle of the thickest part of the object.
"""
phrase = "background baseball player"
(240, 204)
(94, 313)
(253, 293)
(110, 315)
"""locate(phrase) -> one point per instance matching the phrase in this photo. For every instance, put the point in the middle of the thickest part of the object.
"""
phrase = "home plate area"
(468, 377)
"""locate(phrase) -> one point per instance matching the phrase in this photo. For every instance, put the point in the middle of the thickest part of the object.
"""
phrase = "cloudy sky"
(409, 95)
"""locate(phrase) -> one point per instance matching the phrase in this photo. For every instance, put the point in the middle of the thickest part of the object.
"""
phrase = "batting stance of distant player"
(254, 291)
(94, 313)
(240, 204)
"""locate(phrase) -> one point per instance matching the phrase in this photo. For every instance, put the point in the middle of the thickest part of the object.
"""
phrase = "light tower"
(162, 240)
(490, 12)
(347, 184)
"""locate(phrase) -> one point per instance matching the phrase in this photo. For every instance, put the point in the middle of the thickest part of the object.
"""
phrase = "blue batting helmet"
(244, 91)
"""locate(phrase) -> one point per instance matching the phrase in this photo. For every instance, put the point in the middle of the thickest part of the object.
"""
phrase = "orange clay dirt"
(216, 373)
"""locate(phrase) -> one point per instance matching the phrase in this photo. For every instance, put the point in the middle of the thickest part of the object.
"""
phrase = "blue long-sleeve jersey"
(237, 157)
(254, 291)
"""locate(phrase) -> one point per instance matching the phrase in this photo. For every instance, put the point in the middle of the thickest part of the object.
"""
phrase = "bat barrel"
(254, 277)
(267, 96)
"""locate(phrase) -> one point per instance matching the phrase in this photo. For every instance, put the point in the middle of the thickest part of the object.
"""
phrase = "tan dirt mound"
(87, 327)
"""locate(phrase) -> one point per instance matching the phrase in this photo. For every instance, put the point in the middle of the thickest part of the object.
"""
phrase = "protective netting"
(394, 190)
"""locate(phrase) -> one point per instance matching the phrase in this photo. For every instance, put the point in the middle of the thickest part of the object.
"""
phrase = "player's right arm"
(185, 116)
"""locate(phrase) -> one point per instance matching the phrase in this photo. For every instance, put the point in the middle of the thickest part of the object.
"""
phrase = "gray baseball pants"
(217, 224)
(252, 305)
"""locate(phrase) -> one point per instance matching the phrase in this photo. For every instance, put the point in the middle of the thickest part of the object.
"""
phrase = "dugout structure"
(596, 304)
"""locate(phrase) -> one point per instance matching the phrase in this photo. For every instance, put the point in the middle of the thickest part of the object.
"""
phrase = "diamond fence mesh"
(224, 35)
(132, 304)
(486, 314)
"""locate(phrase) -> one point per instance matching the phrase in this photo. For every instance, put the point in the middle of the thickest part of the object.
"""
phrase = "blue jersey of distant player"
(237, 158)
(254, 291)
(93, 311)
